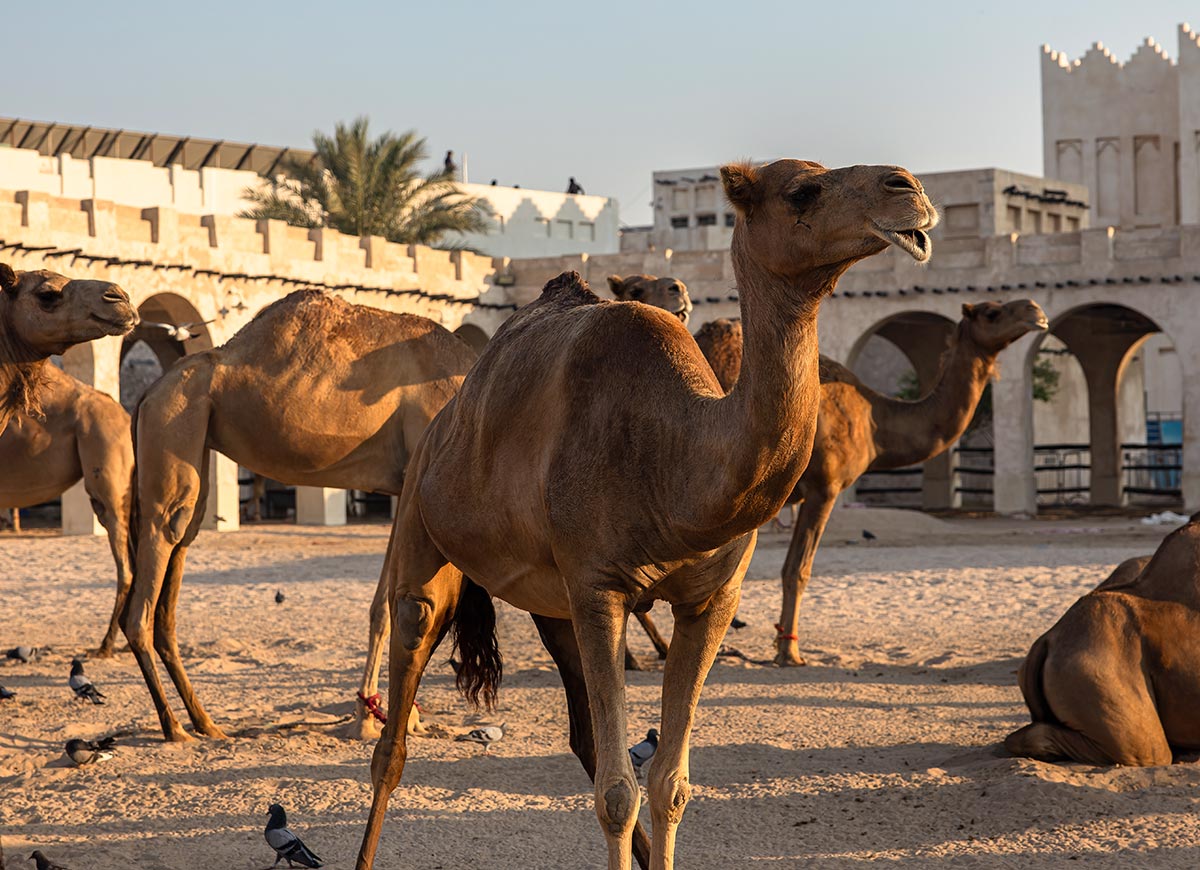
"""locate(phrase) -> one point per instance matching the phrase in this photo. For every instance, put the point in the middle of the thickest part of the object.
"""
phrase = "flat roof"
(52, 138)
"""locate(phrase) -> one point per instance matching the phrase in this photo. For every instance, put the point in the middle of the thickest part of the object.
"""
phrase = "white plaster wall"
(1064, 419)
(542, 223)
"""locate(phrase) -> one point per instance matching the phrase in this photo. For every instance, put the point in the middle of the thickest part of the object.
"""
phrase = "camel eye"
(993, 314)
(804, 195)
(48, 298)
(635, 293)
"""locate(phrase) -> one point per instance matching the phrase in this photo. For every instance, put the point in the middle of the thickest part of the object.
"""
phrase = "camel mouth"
(1039, 323)
(682, 314)
(124, 324)
(914, 242)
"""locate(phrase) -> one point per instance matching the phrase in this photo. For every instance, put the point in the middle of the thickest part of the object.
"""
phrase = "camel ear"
(968, 311)
(741, 185)
(617, 285)
(8, 278)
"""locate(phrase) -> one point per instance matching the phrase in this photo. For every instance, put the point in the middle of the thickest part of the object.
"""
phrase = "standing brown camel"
(720, 341)
(43, 313)
(563, 478)
(860, 430)
(80, 433)
(313, 391)
(1117, 679)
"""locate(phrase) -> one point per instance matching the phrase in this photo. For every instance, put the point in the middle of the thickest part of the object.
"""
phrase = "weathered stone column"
(320, 506)
(1189, 361)
(939, 482)
(1014, 487)
(224, 505)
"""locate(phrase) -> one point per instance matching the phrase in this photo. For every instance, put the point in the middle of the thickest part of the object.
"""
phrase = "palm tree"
(369, 187)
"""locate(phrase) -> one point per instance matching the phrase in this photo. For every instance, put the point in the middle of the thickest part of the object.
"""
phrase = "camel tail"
(132, 509)
(474, 629)
(1030, 679)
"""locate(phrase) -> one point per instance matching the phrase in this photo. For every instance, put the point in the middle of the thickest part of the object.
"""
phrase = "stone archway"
(1108, 341)
(474, 336)
(902, 355)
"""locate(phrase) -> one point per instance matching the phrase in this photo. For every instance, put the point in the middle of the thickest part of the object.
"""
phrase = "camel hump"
(834, 372)
(569, 288)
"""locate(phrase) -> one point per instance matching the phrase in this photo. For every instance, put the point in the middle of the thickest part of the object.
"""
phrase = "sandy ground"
(883, 749)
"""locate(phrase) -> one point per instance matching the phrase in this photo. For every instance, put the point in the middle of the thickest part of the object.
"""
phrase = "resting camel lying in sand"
(860, 430)
(1117, 679)
(43, 313)
(81, 433)
(564, 479)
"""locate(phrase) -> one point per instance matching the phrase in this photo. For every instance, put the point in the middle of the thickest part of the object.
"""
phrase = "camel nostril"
(902, 183)
(114, 296)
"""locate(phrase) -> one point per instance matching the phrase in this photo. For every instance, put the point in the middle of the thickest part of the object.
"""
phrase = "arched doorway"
(901, 356)
(1112, 432)
(170, 329)
(473, 335)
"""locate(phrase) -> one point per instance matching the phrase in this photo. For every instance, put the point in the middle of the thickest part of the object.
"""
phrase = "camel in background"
(80, 433)
(44, 313)
(669, 294)
(1117, 679)
(314, 391)
(860, 430)
(591, 463)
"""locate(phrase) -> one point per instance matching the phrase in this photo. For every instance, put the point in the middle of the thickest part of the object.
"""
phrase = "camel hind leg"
(558, 636)
(423, 592)
(365, 725)
(168, 487)
(166, 643)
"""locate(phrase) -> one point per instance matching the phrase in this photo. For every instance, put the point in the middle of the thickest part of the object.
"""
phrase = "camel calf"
(1117, 679)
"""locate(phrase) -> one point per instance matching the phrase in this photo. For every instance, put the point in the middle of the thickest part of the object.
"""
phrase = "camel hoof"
(786, 659)
(632, 664)
(212, 732)
(178, 735)
(364, 729)
(100, 652)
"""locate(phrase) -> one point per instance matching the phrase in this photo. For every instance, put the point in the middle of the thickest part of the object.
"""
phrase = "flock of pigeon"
(288, 847)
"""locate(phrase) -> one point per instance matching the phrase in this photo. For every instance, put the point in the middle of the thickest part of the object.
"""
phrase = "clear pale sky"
(607, 91)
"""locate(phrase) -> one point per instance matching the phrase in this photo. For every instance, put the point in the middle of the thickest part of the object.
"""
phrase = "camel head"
(794, 216)
(47, 313)
(669, 294)
(993, 326)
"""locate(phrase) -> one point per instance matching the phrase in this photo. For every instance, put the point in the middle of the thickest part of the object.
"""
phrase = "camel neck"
(758, 438)
(908, 432)
(20, 372)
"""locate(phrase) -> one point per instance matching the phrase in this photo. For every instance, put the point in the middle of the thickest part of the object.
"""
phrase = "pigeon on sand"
(87, 751)
(82, 686)
(44, 863)
(485, 736)
(287, 845)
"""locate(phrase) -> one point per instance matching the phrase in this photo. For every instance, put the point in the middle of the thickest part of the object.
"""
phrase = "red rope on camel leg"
(372, 704)
(782, 636)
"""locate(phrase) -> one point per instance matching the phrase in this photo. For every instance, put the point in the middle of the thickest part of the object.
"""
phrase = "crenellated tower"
(1129, 131)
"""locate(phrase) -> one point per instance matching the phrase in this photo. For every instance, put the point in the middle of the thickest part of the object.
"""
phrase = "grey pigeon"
(642, 752)
(287, 845)
(278, 597)
(737, 624)
(87, 751)
(5, 694)
(868, 535)
(82, 686)
(44, 863)
(24, 654)
(485, 736)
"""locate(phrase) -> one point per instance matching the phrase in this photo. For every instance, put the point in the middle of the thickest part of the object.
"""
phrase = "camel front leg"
(699, 630)
(114, 516)
(797, 568)
(558, 637)
(599, 619)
